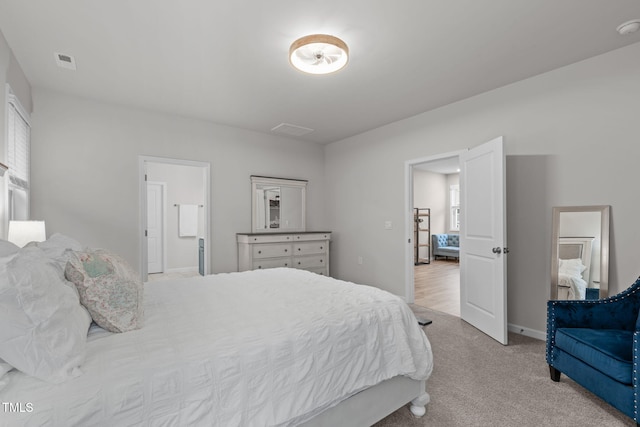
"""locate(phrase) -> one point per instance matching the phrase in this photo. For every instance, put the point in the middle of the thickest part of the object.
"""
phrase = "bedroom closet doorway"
(174, 218)
(481, 239)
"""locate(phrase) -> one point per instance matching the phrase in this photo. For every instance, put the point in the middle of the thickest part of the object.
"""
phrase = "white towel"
(188, 221)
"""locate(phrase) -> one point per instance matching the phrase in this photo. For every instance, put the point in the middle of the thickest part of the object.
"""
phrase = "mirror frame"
(282, 182)
(604, 245)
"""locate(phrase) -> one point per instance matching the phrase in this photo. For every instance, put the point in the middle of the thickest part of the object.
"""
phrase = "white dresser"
(306, 250)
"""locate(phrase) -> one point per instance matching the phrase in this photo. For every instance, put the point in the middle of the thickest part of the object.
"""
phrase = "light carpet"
(478, 382)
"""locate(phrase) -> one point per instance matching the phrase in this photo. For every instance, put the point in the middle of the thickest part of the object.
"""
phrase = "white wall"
(571, 138)
(183, 185)
(430, 191)
(85, 171)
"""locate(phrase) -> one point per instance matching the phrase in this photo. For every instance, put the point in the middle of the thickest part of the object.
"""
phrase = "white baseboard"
(539, 335)
(182, 270)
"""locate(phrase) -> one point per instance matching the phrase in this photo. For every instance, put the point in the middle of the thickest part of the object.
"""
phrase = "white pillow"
(4, 368)
(7, 248)
(44, 328)
(59, 248)
(571, 267)
(61, 242)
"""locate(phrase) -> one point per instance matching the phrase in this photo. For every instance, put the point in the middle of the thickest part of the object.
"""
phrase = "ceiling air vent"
(65, 61)
(292, 130)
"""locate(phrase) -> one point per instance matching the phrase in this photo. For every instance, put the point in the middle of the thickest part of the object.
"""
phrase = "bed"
(574, 267)
(277, 347)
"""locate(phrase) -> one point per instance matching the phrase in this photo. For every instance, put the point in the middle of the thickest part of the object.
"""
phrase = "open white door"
(155, 219)
(483, 287)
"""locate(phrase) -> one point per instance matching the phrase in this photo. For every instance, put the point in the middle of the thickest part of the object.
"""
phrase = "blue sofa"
(597, 344)
(445, 245)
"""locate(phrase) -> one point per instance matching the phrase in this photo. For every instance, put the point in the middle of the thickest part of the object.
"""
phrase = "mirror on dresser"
(580, 252)
(277, 204)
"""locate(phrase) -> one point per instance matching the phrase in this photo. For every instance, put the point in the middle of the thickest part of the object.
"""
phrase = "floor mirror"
(580, 252)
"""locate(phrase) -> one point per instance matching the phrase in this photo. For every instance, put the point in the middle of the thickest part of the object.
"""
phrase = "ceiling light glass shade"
(319, 54)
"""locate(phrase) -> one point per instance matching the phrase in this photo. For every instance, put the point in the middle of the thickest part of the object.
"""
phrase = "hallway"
(437, 286)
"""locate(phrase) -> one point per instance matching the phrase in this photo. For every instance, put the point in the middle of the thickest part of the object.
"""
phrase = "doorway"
(482, 237)
(435, 199)
(175, 230)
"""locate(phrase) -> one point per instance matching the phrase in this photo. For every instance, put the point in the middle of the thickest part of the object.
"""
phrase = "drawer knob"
(286, 265)
(321, 260)
(298, 262)
(259, 266)
(299, 249)
(321, 248)
(286, 250)
(259, 252)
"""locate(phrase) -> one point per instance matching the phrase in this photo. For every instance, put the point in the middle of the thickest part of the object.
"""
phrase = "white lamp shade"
(23, 232)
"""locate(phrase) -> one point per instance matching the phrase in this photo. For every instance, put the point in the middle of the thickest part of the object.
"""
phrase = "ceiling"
(226, 61)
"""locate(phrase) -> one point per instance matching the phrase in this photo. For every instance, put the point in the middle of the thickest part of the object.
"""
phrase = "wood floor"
(437, 286)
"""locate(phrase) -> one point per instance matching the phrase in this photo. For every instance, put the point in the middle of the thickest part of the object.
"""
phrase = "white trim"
(13, 99)
(409, 287)
(163, 188)
(182, 270)
(142, 206)
(521, 330)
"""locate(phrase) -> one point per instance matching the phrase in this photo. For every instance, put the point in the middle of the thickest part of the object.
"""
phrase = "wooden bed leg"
(418, 405)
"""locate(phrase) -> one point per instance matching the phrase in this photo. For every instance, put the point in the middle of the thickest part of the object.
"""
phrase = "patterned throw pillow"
(108, 288)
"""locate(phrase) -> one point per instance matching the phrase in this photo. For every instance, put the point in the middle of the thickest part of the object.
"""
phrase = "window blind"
(18, 144)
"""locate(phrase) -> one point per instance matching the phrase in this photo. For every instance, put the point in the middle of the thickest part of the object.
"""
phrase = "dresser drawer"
(312, 236)
(311, 261)
(270, 251)
(271, 263)
(309, 248)
(267, 238)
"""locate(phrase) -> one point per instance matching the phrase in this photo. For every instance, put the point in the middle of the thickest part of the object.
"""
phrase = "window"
(18, 158)
(454, 203)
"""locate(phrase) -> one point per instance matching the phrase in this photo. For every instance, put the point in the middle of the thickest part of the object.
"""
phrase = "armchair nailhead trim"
(551, 322)
(635, 376)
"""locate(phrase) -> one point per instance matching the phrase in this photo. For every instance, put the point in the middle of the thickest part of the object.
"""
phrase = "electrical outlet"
(387, 225)
(360, 260)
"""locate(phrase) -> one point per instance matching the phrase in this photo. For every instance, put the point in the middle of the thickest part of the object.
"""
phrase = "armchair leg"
(555, 375)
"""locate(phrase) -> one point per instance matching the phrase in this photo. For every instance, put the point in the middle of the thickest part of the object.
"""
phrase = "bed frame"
(571, 248)
(373, 404)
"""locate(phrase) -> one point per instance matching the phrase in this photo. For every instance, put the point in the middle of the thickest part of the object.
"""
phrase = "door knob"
(496, 250)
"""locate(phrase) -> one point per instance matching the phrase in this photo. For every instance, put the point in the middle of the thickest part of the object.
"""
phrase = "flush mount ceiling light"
(318, 54)
(629, 27)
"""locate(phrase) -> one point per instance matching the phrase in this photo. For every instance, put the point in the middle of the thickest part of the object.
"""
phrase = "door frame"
(409, 278)
(142, 206)
(163, 226)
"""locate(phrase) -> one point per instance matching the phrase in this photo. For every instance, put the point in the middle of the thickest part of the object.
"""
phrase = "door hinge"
(145, 176)
(145, 233)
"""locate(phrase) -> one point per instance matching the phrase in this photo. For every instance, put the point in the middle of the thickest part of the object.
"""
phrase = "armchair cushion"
(607, 350)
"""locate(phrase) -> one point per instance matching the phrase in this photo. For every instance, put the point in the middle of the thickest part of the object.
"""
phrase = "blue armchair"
(446, 245)
(596, 343)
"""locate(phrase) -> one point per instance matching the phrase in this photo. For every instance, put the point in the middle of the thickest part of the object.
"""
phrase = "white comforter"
(267, 347)
(575, 285)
